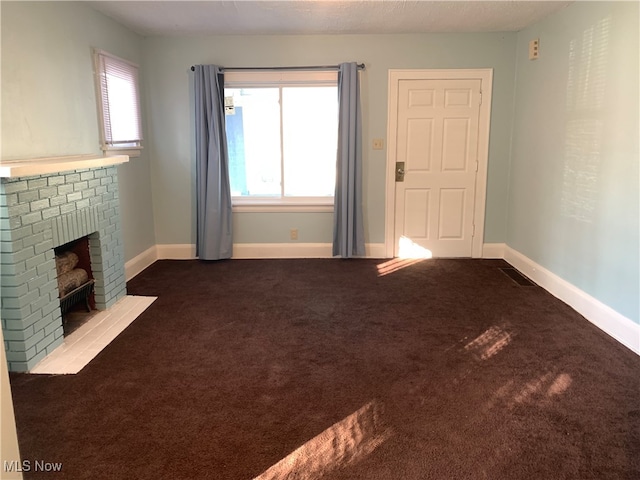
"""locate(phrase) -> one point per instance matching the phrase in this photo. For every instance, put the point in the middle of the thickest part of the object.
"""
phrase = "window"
(282, 135)
(118, 103)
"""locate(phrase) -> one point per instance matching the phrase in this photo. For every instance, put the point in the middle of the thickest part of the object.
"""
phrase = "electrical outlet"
(293, 234)
(378, 144)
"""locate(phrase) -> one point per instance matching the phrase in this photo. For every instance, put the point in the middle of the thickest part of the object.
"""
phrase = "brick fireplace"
(37, 214)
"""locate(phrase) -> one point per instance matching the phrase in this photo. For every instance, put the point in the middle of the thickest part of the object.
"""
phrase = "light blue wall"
(563, 184)
(167, 86)
(574, 183)
(48, 96)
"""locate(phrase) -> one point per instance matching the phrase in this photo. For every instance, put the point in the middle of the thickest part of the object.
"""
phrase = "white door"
(437, 142)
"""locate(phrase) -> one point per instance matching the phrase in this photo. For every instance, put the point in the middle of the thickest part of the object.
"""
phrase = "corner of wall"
(140, 262)
(512, 133)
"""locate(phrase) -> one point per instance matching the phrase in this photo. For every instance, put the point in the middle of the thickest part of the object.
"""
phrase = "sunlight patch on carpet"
(489, 343)
(543, 388)
(344, 443)
(396, 264)
(409, 253)
(560, 385)
(541, 391)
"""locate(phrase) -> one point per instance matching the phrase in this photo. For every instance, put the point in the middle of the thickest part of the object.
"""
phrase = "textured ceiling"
(150, 18)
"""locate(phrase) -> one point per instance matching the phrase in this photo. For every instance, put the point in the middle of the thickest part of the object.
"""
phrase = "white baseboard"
(611, 322)
(281, 250)
(493, 250)
(266, 250)
(296, 250)
(138, 263)
(185, 251)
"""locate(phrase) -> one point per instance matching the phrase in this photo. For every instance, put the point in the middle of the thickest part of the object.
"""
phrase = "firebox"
(75, 278)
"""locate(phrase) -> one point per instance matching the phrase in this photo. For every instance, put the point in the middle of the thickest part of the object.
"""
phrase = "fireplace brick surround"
(37, 214)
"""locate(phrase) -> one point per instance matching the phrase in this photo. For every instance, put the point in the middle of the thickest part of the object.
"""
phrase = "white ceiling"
(149, 18)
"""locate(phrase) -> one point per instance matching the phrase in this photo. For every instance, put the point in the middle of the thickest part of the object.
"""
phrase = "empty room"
(320, 239)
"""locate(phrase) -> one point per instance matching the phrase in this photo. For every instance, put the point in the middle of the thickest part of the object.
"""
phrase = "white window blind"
(119, 102)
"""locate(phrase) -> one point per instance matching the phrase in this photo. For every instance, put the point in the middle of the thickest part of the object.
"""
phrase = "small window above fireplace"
(118, 104)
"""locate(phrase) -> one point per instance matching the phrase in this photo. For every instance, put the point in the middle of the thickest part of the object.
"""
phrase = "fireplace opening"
(75, 283)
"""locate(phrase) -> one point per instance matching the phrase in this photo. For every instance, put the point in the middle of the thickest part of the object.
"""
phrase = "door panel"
(437, 138)
(452, 214)
(416, 213)
(455, 143)
(421, 98)
(457, 97)
(419, 139)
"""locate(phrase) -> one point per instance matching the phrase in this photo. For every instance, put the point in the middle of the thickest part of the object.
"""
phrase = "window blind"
(119, 101)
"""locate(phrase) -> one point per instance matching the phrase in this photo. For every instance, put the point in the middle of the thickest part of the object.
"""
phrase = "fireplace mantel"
(42, 166)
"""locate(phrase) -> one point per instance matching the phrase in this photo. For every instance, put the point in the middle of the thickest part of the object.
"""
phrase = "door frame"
(485, 75)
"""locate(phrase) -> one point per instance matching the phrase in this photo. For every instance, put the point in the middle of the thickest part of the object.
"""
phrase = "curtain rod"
(316, 67)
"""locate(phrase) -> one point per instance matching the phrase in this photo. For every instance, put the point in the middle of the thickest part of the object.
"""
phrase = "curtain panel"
(213, 194)
(348, 228)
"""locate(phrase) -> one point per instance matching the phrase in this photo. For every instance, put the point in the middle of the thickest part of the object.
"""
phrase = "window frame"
(134, 148)
(279, 79)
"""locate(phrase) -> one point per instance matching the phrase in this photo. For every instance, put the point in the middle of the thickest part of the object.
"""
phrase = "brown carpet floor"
(305, 369)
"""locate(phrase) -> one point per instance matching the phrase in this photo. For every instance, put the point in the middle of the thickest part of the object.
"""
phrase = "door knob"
(399, 171)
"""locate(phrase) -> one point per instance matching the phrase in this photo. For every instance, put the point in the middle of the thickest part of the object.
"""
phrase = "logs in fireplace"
(74, 283)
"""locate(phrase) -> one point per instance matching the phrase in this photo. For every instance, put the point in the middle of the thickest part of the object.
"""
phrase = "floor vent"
(517, 277)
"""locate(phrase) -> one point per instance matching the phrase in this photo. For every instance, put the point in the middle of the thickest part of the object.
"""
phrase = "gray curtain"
(348, 229)
(213, 194)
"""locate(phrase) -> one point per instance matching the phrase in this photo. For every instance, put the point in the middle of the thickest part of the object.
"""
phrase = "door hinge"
(473, 230)
(480, 97)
